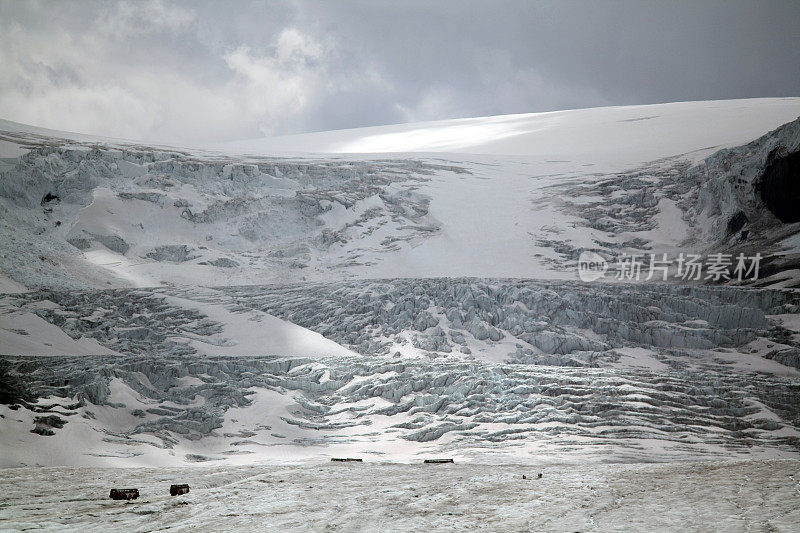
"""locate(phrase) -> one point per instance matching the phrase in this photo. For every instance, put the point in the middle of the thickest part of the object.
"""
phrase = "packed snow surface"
(713, 496)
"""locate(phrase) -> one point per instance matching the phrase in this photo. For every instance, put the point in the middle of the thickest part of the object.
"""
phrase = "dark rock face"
(737, 222)
(51, 420)
(49, 197)
(223, 262)
(114, 243)
(46, 424)
(175, 253)
(780, 186)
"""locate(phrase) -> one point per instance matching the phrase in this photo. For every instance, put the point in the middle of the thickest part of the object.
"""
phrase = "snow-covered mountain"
(282, 299)
(83, 213)
(624, 136)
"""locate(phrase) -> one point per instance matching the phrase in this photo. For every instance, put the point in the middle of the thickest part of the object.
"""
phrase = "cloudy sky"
(193, 72)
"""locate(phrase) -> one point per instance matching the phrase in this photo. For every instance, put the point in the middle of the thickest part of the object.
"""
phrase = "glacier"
(287, 300)
(505, 368)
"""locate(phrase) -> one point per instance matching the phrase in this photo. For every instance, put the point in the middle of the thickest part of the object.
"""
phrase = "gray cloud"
(190, 72)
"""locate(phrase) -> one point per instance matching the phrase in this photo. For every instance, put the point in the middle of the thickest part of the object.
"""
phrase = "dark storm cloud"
(202, 71)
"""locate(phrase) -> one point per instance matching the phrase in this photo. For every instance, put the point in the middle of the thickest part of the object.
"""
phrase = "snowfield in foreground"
(726, 496)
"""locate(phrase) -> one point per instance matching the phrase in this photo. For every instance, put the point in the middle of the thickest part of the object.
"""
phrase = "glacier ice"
(560, 378)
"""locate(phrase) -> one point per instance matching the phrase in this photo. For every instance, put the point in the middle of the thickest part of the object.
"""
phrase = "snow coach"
(124, 494)
(177, 490)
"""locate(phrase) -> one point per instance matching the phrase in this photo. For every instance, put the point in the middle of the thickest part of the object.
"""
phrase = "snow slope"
(251, 332)
(206, 324)
(623, 135)
(613, 180)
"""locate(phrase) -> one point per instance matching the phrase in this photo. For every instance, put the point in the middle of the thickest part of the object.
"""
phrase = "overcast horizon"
(197, 72)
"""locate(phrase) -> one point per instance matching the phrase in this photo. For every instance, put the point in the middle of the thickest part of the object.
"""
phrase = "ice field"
(234, 316)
